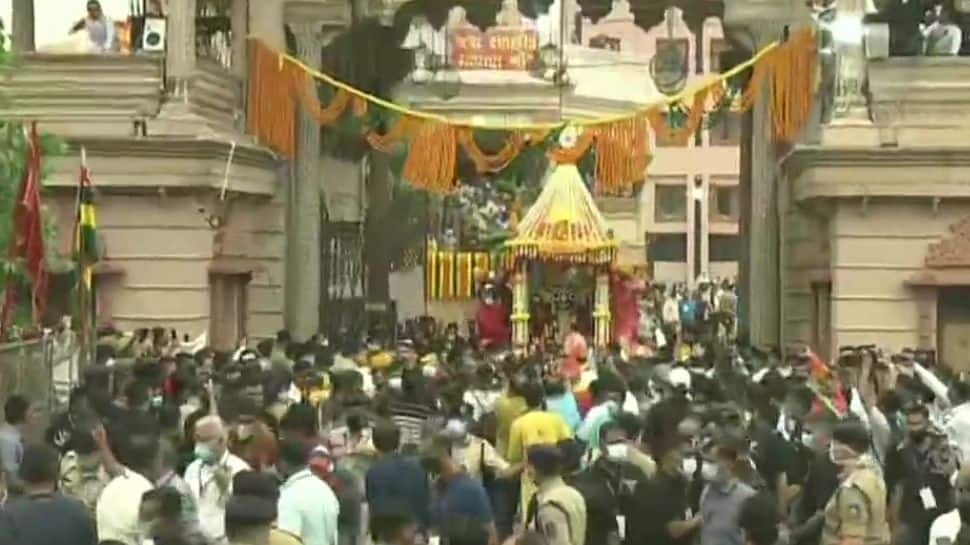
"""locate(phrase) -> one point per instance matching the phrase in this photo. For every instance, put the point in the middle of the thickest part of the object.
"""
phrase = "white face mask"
(617, 452)
(689, 467)
(709, 471)
(808, 439)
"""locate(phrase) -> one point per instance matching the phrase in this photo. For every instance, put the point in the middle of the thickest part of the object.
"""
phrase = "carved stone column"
(303, 317)
(22, 26)
(752, 24)
(239, 21)
(180, 47)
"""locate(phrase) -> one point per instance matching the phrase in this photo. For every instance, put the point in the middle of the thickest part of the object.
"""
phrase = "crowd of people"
(435, 440)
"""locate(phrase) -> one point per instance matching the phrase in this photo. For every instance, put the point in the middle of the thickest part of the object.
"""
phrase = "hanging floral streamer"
(622, 155)
(431, 160)
(680, 134)
(277, 81)
(495, 162)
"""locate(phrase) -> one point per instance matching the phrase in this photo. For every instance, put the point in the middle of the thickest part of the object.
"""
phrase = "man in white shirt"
(956, 423)
(210, 476)
(308, 507)
(119, 504)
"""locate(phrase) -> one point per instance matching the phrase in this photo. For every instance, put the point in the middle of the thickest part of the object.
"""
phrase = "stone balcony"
(77, 94)
(917, 144)
(921, 101)
(115, 95)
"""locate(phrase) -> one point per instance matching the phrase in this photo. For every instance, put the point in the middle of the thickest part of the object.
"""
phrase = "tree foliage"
(13, 145)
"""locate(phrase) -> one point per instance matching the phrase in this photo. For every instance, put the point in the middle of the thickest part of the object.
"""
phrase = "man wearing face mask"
(725, 493)
(557, 511)
(210, 475)
(607, 487)
(83, 476)
(856, 513)
(820, 483)
(665, 516)
(918, 476)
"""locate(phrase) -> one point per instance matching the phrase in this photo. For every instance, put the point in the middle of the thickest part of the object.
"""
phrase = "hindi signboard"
(495, 49)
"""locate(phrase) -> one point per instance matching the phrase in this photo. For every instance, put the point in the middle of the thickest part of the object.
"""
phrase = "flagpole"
(85, 299)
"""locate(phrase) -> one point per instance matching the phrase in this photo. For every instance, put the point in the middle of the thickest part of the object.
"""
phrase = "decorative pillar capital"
(752, 24)
(309, 39)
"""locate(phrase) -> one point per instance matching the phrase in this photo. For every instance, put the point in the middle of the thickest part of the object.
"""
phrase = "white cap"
(679, 377)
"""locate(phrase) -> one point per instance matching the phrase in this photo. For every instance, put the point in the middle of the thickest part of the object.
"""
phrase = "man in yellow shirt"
(535, 427)
(508, 408)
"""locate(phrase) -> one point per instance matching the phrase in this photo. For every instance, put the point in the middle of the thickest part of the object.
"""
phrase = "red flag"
(27, 243)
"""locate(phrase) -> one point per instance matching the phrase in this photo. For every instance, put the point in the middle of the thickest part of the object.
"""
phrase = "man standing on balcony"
(100, 29)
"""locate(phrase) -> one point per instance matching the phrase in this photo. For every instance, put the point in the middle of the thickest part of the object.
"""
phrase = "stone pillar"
(239, 21)
(266, 22)
(303, 316)
(22, 26)
(759, 286)
(180, 47)
(752, 24)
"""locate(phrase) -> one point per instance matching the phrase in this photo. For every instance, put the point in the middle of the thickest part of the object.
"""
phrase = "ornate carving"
(953, 250)
(594, 10)
(649, 13)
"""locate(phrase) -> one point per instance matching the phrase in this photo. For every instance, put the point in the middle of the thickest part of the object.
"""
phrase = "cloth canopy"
(564, 224)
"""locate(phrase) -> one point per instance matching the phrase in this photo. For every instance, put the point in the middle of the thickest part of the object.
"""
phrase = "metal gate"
(342, 293)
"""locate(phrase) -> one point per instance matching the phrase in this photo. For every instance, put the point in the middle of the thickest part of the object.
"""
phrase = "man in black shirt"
(772, 454)
(664, 517)
(608, 487)
(820, 482)
(918, 477)
(42, 516)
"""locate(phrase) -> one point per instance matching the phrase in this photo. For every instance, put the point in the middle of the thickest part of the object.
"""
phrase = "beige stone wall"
(873, 251)
(258, 227)
(163, 248)
(805, 273)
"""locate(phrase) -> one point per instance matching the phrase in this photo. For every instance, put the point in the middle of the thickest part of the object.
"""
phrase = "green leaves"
(13, 145)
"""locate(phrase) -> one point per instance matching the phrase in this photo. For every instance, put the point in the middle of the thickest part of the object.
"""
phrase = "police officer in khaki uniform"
(557, 511)
(856, 513)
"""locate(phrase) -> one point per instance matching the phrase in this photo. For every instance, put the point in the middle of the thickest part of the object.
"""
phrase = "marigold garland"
(431, 160)
(621, 155)
(401, 128)
(571, 155)
(278, 81)
(679, 136)
(491, 162)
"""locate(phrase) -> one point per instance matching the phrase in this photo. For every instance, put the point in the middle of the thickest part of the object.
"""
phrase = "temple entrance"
(953, 327)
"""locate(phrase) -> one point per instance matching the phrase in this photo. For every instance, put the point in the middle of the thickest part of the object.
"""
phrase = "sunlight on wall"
(54, 18)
